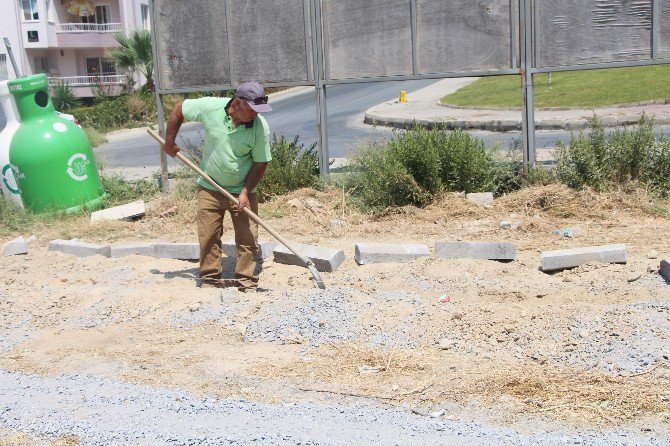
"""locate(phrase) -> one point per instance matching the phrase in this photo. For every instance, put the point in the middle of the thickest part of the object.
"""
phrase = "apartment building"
(67, 39)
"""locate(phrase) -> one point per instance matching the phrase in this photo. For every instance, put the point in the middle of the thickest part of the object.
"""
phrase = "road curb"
(504, 125)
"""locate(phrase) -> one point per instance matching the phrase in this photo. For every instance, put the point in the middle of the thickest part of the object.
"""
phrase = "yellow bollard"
(403, 96)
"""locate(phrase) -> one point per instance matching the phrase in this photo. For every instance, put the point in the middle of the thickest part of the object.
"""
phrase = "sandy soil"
(512, 345)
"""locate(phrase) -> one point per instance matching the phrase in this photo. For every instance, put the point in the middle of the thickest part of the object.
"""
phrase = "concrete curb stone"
(475, 250)
(570, 258)
(79, 249)
(367, 253)
(325, 259)
(15, 247)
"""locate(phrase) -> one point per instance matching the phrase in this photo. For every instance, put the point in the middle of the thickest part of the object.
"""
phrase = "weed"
(292, 167)
(94, 137)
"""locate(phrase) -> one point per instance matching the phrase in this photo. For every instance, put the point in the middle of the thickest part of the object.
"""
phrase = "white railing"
(88, 27)
(87, 81)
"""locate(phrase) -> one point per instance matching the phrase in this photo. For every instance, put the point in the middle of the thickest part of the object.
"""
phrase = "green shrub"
(105, 115)
(466, 163)
(380, 181)
(603, 162)
(292, 167)
(418, 151)
(63, 97)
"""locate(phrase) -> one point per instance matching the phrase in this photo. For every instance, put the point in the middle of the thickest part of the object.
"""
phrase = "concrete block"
(475, 250)
(570, 258)
(325, 259)
(181, 251)
(143, 249)
(79, 248)
(134, 209)
(389, 252)
(481, 198)
(265, 249)
(15, 247)
(665, 269)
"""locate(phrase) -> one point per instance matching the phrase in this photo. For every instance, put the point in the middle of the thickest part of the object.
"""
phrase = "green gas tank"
(51, 157)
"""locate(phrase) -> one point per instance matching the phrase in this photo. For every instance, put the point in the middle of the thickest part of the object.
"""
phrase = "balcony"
(88, 81)
(88, 28)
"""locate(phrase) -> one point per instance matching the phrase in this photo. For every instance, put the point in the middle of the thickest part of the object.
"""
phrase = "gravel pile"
(313, 316)
(105, 412)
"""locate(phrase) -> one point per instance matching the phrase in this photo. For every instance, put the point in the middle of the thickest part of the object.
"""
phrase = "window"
(146, 22)
(3, 67)
(41, 64)
(100, 66)
(102, 15)
(29, 9)
(33, 36)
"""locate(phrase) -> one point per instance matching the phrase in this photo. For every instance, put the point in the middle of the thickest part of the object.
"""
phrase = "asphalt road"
(137, 154)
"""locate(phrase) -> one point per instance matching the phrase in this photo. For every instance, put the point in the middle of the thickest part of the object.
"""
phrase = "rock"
(446, 344)
(583, 334)
(195, 307)
(31, 239)
(457, 316)
(506, 224)
(632, 277)
(296, 203)
(314, 204)
(336, 223)
(484, 198)
(169, 212)
(653, 254)
(652, 269)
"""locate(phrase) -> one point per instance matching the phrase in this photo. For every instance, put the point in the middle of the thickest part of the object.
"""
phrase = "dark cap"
(254, 95)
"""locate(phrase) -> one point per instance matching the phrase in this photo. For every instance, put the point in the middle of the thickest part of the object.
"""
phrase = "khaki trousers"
(212, 206)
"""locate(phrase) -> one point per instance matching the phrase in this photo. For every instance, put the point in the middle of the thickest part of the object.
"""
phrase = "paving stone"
(134, 209)
(665, 269)
(570, 258)
(325, 259)
(475, 250)
(265, 249)
(481, 198)
(389, 252)
(143, 249)
(181, 251)
(15, 247)
(79, 248)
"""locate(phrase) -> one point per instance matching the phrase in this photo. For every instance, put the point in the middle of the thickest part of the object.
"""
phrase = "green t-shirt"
(229, 151)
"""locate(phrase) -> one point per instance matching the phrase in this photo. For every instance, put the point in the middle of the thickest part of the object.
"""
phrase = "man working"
(235, 155)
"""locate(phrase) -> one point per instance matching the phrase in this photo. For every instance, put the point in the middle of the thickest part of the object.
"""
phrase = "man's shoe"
(210, 283)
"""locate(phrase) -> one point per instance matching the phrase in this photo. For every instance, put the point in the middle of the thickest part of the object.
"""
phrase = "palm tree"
(134, 53)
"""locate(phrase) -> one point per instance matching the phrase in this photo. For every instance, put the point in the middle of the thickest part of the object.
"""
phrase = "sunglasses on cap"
(260, 100)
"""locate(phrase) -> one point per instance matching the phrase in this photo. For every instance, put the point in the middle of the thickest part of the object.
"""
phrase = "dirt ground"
(500, 342)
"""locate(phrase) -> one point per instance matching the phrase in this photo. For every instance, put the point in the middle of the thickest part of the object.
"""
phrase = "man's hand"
(170, 148)
(243, 199)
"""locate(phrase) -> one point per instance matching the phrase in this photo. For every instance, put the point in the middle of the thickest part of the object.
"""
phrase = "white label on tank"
(60, 127)
(8, 179)
(76, 167)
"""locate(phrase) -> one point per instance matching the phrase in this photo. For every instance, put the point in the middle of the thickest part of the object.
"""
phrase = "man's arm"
(253, 178)
(174, 123)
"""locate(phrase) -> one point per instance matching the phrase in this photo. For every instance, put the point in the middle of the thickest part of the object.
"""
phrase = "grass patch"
(94, 137)
(119, 191)
(592, 88)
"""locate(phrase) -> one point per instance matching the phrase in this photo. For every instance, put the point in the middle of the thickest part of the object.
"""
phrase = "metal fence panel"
(573, 32)
(664, 29)
(461, 35)
(191, 44)
(367, 38)
(269, 42)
